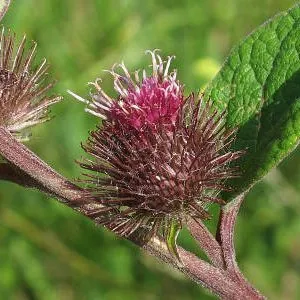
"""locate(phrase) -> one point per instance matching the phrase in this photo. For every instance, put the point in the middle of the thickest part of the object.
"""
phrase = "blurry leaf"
(34, 273)
(206, 68)
(4, 4)
(259, 84)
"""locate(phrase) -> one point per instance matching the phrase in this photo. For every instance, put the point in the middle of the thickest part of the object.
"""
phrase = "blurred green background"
(49, 252)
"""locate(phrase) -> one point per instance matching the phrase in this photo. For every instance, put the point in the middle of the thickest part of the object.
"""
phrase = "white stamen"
(96, 84)
(105, 97)
(154, 61)
(120, 89)
(78, 97)
(170, 58)
(123, 67)
(96, 105)
(160, 67)
(96, 114)
(144, 75)
(137, 77)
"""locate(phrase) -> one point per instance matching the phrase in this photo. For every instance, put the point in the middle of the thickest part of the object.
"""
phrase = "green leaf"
(4, 4)
(259, 86)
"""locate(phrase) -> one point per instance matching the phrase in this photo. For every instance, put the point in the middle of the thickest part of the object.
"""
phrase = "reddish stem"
(25, 168)
(207, 242)
(214, 279)
(225, 234)
(36, 172)
(225, 237)
(10, 173)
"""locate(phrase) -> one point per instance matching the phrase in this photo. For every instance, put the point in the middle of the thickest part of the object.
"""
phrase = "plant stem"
(9, 173)
(225, 237)
(207, 242)
(25, 168)
(214, 279)
(35, 172)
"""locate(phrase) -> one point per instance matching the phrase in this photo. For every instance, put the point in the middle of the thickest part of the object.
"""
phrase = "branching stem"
(222, 277)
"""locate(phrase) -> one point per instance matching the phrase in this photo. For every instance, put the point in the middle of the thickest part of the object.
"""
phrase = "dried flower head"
(159, 158)
(23, 102)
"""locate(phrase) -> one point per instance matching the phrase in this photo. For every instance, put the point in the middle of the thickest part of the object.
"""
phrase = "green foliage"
(48, 251)
(259, 86)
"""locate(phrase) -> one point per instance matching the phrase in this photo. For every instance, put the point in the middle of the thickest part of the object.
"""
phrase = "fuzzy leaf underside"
(259, 86)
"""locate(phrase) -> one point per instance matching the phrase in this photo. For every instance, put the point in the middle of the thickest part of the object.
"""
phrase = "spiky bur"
(159, 158)
(23, 88)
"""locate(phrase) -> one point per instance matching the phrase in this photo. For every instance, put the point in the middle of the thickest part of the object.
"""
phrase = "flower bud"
(23, 88)
(159, 157)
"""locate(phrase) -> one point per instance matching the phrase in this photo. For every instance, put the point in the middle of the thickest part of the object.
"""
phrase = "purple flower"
(23, 100)
(159, 158)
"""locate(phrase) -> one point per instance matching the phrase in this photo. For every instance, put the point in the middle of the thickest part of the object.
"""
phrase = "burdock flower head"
(159, 157)
(23, 102)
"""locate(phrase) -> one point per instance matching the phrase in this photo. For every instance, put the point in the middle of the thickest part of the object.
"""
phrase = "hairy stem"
(207, 242)
(34, 172)
(225, 237)
(9, 173)
(214, 279)
(25, 168)
(225, 234)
